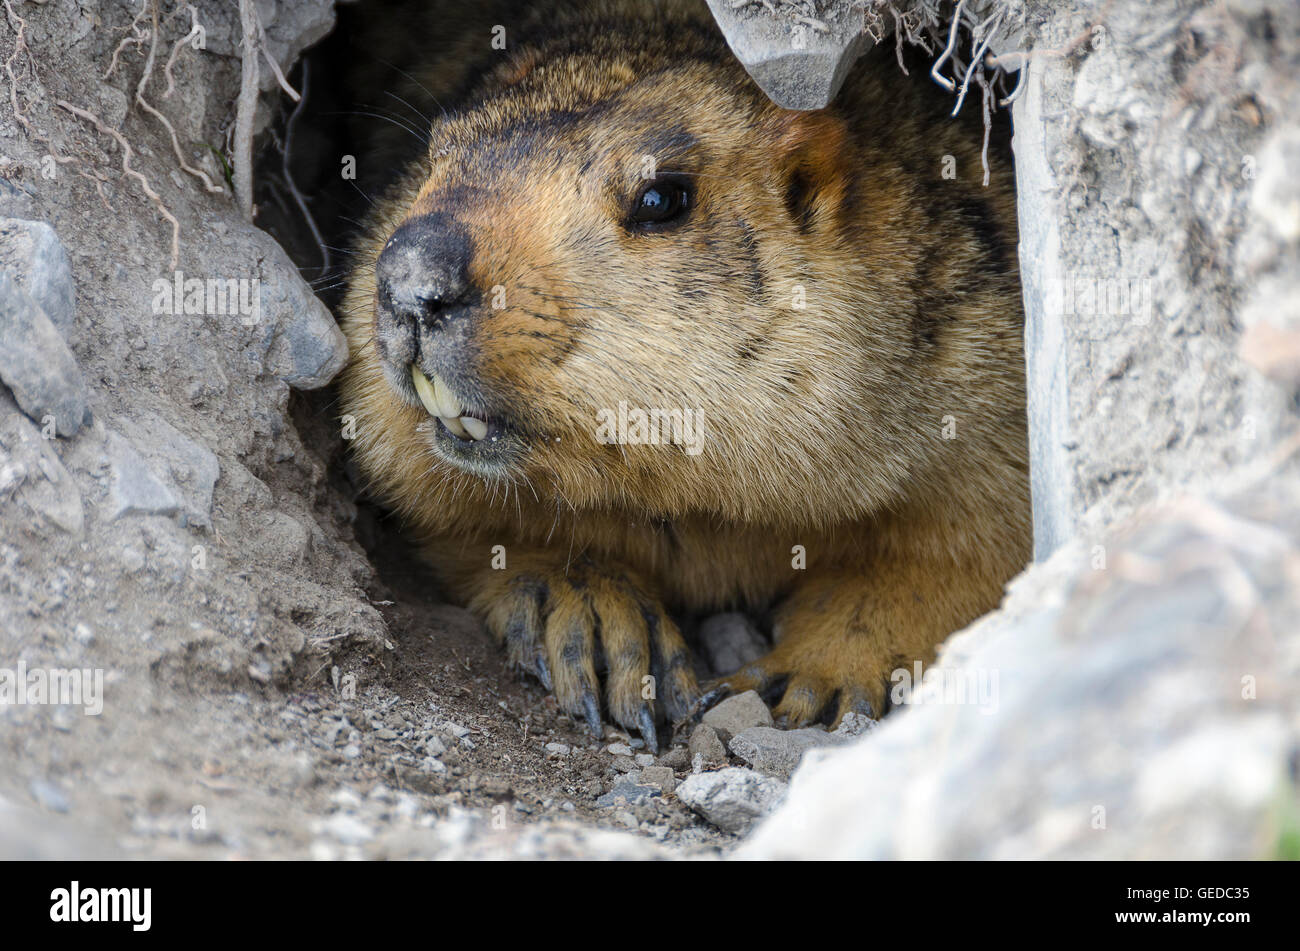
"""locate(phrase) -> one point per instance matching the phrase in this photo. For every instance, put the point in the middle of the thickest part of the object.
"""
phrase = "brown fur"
(824, 425)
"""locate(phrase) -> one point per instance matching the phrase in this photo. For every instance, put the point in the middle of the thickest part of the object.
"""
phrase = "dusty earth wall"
(162, 519)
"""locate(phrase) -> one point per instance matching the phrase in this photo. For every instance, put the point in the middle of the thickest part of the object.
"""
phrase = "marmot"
(630, 343)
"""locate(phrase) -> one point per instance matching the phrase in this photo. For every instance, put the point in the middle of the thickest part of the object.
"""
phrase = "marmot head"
(623, 278)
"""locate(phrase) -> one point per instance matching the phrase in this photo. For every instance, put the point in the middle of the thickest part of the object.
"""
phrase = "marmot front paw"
(566, 624)
(817, 677)
(839, 638)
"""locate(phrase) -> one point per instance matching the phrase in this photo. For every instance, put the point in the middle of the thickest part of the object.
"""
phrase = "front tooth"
(425, 391)
(452, 423)
(448, 405)
(476, 427)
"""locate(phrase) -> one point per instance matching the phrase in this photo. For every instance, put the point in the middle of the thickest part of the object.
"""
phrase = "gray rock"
(800, 65)
(131, 559)
(661, 776)
(33, 255)
(306, 347)
(705, 744)
(855, 724)
(733, 799)
(31, 468)
(134, 489)
(189, 469)
(678, 757)
(626, 793)
(314, 349)
(11, 474)
(56, 497)
(1105, 737)
(36, 363)
(778, 752)
(1134, 376)
(738, 713)
(729, 642)
(292, 28)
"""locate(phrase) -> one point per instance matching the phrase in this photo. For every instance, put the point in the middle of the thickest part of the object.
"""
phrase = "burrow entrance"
(321, 164)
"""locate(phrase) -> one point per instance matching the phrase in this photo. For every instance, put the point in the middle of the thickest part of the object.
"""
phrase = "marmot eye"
(661, 202)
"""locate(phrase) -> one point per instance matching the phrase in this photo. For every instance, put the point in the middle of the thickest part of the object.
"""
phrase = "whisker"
(427, 90)
(427, 120)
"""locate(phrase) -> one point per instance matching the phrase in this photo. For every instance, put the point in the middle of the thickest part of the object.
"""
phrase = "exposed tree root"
(242, 148)
(144, 104)
(130, 172)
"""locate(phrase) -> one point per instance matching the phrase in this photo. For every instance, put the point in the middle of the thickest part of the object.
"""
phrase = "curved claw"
(707, 700)
(646, 724)
(591, 711)
(854, 702)
(541, 669)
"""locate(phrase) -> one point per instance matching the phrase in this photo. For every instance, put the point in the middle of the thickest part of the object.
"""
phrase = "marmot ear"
(520, 66)
(813, 157)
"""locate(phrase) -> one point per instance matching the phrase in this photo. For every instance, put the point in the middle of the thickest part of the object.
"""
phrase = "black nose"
(423, 271)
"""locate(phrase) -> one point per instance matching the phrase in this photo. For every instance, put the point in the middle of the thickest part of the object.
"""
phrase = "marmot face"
(669, 243)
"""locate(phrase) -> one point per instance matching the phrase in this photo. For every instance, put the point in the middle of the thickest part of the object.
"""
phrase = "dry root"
(921, 23)
(130, 172)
